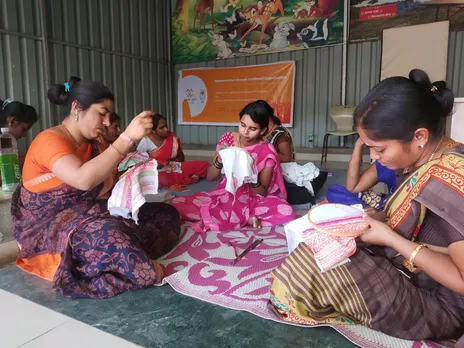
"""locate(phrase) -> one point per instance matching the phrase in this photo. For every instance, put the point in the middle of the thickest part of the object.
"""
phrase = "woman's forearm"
(98, 169)
(354, 168)
(212, 173)
(435, 263)
(260, 190)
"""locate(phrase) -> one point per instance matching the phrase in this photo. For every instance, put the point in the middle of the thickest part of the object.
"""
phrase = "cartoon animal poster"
(368, 18)
(204, 30)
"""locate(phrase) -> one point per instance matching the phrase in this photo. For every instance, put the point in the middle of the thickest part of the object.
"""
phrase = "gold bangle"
(414, 253)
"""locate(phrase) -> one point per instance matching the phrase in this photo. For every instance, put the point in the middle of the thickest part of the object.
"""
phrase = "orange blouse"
(47, 148)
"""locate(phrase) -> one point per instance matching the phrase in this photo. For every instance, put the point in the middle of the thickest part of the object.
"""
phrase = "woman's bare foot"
(254, 222)
(159, 271)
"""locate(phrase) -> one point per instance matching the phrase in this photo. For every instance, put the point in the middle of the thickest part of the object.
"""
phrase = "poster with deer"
(368, 18)
(204, 30)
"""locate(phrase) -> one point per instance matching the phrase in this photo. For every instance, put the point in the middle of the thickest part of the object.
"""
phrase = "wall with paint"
(318, 85)
(125, 44)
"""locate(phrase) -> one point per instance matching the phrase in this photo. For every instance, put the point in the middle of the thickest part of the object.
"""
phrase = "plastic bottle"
(311, 140)
(9, 165)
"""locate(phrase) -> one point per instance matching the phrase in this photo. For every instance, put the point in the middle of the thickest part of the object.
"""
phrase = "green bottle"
(9, 166)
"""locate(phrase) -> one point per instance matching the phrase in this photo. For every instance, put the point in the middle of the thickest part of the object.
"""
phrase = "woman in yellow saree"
(407, 280)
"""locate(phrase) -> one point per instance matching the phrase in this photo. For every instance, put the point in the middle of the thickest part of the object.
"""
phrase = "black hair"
(156, 119)
(114, 117)
(259, 111)
(276, 120)
(85, 92)
(20, 111)
(397, 106)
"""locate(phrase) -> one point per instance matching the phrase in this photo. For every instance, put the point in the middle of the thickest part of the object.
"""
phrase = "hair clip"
(66, 87)
(433, 89)
(6, 102)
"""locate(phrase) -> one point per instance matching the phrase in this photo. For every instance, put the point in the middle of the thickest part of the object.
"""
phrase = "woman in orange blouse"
(60, 215)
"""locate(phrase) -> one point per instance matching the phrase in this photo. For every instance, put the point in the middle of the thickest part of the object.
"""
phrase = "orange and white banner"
(215, 96)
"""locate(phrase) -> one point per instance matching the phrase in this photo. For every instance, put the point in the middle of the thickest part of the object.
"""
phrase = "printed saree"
(370, 289)
(219, 210)
(67, 235)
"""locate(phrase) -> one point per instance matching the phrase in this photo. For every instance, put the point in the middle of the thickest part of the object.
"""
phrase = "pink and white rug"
(200, 267)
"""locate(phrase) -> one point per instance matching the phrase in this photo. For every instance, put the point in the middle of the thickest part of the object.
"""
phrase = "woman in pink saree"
(256, 205)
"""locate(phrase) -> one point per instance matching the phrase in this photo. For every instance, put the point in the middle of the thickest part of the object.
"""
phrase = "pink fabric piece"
(329, 251)
(130, 192)
(132, 159)
(219, 211)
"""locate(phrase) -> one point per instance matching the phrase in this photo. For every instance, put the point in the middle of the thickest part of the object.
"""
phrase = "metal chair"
(342, 115)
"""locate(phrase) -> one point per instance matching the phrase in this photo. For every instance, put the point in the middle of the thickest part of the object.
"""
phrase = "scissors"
(246, 251)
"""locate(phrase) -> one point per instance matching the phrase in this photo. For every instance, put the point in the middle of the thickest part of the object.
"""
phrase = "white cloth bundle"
(136, 187)
(238, 167)
(301, 175)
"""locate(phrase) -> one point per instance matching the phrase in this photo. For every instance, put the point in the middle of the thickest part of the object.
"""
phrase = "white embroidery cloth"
(238, 167)
(301, 175)
(132, 159)
(136, 157)
(172, 167)
(136, 187)
(329, 251)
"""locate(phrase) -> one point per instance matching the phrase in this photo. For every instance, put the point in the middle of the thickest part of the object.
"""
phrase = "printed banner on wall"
(204, 30)
(215, 96)
(368, 18)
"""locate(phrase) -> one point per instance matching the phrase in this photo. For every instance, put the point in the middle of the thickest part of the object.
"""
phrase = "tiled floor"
(29, 325)
(156, 317)
(153, 317)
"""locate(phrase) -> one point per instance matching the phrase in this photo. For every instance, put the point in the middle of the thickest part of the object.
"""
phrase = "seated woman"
(408, 279)
(113, 131)
(260, 204)
(60, 217)
(282, 140)
(163, 145)
(19, 118)
(358, 187)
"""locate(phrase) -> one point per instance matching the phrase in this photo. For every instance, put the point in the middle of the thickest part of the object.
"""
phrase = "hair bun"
(58, 95)
(420, 77)
(443, 97)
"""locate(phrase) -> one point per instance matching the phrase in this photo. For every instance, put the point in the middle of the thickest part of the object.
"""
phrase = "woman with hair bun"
(407, 278)
(256, 205)
(17, 116)
(60, 215)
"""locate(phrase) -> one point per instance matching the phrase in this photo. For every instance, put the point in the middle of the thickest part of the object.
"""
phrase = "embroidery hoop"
(239, 148)
(338, 220)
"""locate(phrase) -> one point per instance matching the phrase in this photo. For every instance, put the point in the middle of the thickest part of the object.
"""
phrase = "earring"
(76, 116)
(421, 146)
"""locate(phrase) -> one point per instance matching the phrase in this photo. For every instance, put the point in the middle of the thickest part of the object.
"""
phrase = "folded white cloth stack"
(301, 175)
